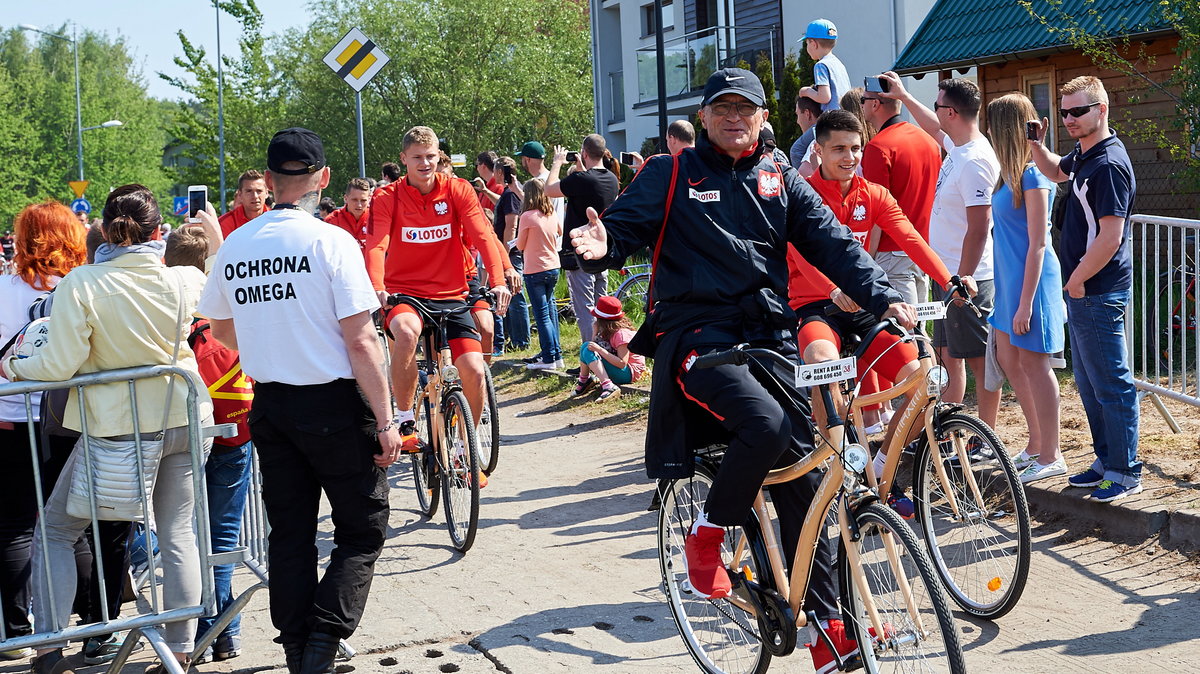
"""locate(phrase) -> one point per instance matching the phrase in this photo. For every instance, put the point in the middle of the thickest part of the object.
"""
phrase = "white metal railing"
(1162, 334)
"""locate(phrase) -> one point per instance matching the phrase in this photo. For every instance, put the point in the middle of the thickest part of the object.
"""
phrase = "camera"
(508, 173)
(876, 85)
(627, 158)
(572, 156)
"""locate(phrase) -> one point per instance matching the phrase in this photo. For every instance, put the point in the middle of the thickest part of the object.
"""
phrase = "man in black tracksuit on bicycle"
(719, 217)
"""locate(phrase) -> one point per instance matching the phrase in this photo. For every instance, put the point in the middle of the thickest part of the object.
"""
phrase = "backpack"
(231, 390)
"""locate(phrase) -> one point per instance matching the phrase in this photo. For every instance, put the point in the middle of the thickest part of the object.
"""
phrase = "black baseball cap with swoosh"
(734, 81)
(296, 144)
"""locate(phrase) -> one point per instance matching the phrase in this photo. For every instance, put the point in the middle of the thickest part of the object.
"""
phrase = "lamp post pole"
(78, 101)
(220, 107)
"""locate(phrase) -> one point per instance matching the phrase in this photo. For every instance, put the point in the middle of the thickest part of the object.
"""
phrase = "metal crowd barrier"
(151, 614)
(1161, 331)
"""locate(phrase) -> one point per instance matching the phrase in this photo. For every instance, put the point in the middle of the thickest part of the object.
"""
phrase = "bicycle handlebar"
(957, 286)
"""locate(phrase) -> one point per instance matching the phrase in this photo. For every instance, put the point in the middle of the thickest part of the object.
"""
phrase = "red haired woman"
(48, 243)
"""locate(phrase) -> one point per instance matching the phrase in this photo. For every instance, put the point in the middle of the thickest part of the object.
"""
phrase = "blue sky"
(150, 27)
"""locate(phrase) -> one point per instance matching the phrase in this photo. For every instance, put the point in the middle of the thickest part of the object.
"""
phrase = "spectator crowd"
(959, 191)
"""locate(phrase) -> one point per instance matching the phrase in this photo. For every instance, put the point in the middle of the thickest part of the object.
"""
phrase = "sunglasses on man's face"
(939, 106)
(1077, 111)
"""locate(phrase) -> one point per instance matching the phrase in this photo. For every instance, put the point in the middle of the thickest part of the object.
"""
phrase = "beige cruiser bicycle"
(970, 505)
(891, 600)
(449, 461)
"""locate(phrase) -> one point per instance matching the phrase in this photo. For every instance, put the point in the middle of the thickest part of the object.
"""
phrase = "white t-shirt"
(15, 297)
(968, 175)
(286, 279)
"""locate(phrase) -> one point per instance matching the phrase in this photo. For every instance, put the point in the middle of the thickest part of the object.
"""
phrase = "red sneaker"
(823, 660)
(706, 571)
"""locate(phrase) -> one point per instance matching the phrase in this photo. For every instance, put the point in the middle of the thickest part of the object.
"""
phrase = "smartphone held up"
(197, 201)
(876, 85)
(1031, 130)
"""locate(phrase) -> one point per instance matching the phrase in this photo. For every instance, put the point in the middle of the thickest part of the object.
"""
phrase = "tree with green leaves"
(37, 130)
(1179, 134)
(254, 108)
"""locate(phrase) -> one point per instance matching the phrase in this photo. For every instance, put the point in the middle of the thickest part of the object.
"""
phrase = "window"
(1039, 87)
(649, 25)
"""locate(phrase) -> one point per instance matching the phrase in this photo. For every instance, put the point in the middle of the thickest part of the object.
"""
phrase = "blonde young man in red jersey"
(355, 217)
(861, 206)
(249, 202)
(428, 215)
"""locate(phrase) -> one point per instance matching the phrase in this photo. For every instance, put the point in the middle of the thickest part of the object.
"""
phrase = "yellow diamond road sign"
(356, 59)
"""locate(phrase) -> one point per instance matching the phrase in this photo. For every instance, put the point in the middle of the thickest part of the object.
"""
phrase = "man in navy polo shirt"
(1097, 264)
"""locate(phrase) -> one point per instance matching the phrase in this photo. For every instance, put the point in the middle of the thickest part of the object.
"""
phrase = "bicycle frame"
(435, 390)
(918, 414)
(836, 483)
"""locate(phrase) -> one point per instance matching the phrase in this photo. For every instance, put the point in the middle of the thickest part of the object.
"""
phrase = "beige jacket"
(116, 314)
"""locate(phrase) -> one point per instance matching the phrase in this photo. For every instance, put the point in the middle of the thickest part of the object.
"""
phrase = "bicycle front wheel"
(915, 628)
(976, 521)
(424, 463)
(489, 426)
(721, 637)
(633, 294)
(460, 477)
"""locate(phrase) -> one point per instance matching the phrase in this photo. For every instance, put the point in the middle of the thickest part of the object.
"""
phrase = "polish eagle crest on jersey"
(768, 184)
(441, 208)
(860, 213)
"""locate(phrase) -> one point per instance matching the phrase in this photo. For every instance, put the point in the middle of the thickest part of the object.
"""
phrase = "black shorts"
(458, 326)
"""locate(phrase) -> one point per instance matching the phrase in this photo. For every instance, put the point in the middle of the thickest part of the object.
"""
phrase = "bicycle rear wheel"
(900, 584)
(460, 478)
(424, 463)
(979, 543)
(721, 638)
(633, 294)
(489, 426)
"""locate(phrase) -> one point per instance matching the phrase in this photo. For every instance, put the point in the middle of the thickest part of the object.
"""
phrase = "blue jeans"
(227, 475)
(1101, 365)
(540, 287)
(516, 321)
(617, 375)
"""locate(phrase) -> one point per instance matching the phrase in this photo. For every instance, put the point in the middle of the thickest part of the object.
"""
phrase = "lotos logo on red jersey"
(768, 184)
(860, 237)
(426, 234)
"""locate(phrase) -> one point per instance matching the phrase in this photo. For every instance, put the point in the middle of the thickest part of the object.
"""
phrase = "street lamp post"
(78, 100)
(79, 127)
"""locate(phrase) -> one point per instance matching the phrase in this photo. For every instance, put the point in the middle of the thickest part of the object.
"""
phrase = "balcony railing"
(616, 96)
(692, 58)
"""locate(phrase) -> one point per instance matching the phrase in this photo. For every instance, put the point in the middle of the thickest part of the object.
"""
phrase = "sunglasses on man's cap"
(1077, 111)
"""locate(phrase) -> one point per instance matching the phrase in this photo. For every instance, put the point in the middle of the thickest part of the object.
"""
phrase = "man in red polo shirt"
(249, 202)
(431, 218)
(906, 161)
(354, 217)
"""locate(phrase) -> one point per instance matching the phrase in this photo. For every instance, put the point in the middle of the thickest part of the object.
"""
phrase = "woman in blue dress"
(1029, 311)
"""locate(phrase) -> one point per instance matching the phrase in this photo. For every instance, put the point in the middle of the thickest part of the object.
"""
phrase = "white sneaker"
(540, 366)
(1022, 461)
(1037, 471)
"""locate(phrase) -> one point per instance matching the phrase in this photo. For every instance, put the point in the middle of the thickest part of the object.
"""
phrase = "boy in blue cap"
(830, 81)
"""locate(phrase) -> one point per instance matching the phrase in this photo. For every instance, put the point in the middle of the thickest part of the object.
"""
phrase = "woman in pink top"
(608, 357)
(538, 233)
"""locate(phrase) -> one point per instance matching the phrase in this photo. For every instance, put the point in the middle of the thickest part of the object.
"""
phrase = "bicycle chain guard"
(776, 622)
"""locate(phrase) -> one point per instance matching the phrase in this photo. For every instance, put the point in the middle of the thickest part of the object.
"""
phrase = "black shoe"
(319, 653)
(574, 372)
(51, 663)
(531, 359)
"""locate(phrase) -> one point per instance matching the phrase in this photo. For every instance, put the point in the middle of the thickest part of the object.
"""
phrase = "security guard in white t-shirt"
(292, 295)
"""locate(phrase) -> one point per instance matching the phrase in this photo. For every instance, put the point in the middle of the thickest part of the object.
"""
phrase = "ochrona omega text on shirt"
(266, 267)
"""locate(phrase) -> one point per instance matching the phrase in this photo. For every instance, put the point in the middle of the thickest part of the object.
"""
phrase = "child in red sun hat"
(607, 360)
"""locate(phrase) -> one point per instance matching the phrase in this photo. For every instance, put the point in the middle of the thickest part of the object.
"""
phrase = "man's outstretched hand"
(591, 240)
